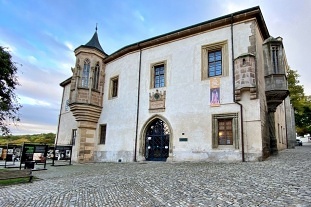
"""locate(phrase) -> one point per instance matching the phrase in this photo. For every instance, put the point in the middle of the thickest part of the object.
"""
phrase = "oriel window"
(275, 58)
(96, 76)
(85, 74)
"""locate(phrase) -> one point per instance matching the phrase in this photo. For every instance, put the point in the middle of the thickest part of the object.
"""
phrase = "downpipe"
(234, 100)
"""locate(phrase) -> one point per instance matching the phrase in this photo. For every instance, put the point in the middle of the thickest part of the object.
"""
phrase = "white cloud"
(139, 16)
(31, 59)
(32, 128)
(8, 47)
(234, 6)
(69, 45)
(31, 101)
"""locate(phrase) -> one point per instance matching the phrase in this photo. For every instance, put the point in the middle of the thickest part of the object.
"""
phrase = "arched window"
(96, 76)
(85, 74)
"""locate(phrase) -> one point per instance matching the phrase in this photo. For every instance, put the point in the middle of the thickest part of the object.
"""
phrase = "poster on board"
(215, 91)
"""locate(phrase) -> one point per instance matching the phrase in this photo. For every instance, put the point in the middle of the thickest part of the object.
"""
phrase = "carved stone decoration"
(157, 101)
(245, 76)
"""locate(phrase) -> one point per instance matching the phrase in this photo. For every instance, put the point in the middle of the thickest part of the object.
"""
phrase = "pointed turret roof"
(94, 43)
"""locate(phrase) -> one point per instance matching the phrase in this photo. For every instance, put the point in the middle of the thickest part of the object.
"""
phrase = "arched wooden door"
(157, 141)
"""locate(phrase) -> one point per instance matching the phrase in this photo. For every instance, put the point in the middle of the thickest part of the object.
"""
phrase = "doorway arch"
(156, 139)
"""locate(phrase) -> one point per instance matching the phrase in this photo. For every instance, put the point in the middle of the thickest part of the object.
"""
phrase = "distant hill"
(35, 138)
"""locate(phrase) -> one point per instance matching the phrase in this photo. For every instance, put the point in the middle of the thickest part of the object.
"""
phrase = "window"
(96, 76)
(102, 139)
(67, 105)
(282, 135)
(279, 135)
(85, 74)
(73, 137)
(275, 58)
(225, 130)
(159, 76)
(214, 63)
(158, 73)
(114, 84)
(215, 60)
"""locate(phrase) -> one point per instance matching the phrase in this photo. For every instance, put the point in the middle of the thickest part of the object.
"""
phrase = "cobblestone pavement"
(282, 180)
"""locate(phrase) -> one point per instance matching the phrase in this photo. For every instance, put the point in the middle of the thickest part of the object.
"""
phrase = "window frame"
(96, 77)
(226, 132)
(275, 50)
(67, 108)
(114, 89)
(85, 76)
(73, 137)
(213, 63)
(102, 137)
(205, 50)
(234, 129)
(153, 74)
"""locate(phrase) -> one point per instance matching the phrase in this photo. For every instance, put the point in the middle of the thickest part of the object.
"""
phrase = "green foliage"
(301, 104)
(35, 138)
(296, 91)
(9, 105)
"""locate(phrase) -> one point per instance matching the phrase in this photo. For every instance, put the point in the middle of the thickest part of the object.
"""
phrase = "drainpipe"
(233, 79)
(137, 112)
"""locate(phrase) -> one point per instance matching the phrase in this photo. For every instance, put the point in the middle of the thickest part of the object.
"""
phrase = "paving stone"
(282, 180)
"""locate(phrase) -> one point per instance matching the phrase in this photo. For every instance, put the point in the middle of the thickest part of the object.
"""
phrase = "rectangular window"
(114, 84)
(73, 137)
(225, 132)
(215, 60)
(96, 77)
(275, 58)
(85, 74)
(279, 135)
(282, 135)
(102, 139)
(67, 105)
(214, 63)
(159, 76)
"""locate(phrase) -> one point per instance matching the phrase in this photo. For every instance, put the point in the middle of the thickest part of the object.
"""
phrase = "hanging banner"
(215, 91)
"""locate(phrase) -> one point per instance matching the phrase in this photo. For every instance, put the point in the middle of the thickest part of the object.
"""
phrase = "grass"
(14, 181)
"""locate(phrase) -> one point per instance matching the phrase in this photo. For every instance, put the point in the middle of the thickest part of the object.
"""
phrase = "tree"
(9, 105)
(301, 104)
(296, 91)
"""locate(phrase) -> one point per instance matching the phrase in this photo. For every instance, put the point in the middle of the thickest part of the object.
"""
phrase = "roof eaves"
(65, 82)
(203, 26)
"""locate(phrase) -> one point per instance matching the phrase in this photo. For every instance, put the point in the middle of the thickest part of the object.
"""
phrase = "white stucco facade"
(190, 119)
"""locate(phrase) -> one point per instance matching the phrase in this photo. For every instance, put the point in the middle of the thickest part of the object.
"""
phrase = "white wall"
(120, 113)
(187, 101)
(67, 124)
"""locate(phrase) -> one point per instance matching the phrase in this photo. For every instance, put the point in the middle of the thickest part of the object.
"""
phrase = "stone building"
(214, 91)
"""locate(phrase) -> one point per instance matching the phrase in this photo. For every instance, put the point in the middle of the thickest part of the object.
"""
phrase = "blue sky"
(42, 34)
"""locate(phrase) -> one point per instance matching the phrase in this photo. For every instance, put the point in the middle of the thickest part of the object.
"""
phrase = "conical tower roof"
(93, 43)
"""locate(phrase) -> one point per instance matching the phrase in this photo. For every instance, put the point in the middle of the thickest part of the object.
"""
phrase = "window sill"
(225, 147)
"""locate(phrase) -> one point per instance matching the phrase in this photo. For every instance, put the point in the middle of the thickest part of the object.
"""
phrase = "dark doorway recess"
(157, 141)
